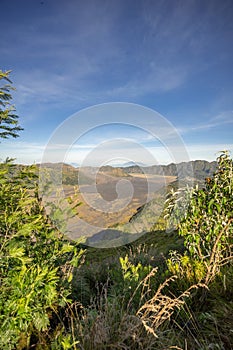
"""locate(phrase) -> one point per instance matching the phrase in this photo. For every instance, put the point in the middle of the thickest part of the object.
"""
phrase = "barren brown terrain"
(102, 205)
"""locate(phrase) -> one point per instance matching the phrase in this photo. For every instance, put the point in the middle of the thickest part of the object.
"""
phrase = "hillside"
(139, 214)
(166, 290)
(199, 168)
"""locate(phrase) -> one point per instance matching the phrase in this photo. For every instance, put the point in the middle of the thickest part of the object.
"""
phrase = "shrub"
(36, 261)
(204, 218)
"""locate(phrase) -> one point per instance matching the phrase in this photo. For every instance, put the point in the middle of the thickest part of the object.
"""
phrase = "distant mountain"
(130, 164)
(75, 165)
(147, 215)
(197, 169)
(109, 170)
(55, 166)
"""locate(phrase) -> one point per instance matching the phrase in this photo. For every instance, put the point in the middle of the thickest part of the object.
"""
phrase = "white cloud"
(89, 50)
(157, 79)
(225, 117)
(220, 119)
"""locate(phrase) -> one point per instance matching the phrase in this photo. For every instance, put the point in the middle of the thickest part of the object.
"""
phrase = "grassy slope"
(204, 323)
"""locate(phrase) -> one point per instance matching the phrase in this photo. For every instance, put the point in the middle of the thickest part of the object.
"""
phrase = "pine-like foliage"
(8, 119)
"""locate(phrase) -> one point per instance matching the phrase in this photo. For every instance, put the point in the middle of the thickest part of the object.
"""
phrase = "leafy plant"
(37, 262)
(127, 303)
(206, 221)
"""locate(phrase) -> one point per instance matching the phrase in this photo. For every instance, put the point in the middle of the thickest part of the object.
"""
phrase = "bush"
(36, 261)
(204, 218)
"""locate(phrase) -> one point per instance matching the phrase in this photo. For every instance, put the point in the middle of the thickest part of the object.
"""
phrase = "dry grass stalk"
(155, 311)
(219, 257)
(111, 326)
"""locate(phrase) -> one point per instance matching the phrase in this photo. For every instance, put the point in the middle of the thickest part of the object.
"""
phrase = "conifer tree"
(8, 119)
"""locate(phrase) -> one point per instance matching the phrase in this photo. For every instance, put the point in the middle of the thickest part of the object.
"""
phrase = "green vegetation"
(207, 222)
(36, 261)
(8, 119)
(168, 290)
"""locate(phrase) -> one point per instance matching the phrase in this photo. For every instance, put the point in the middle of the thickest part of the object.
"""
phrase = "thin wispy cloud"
(92, 47)
(221, 119)
(174, 57)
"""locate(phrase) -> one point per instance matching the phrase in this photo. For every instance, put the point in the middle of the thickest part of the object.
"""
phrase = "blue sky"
(171, 56)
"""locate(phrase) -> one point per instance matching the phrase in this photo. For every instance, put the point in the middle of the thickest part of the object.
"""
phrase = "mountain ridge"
(194, 170)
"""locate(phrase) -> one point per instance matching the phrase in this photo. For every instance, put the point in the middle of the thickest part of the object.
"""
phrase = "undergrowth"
(56, 295)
